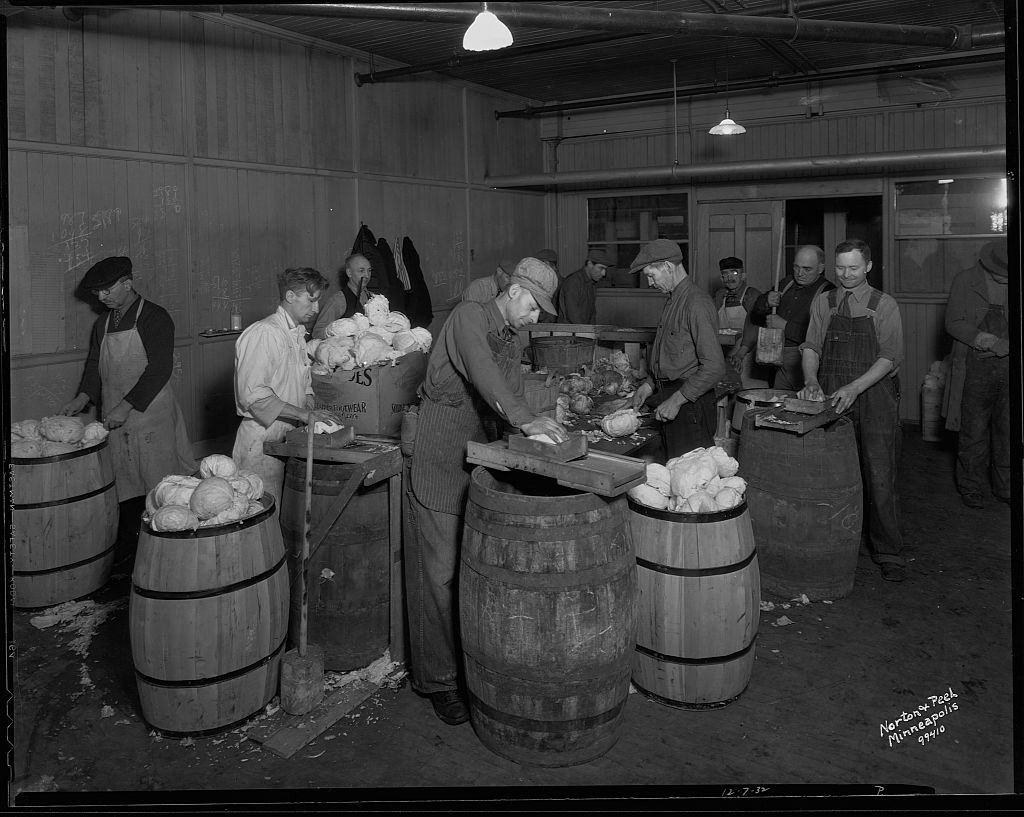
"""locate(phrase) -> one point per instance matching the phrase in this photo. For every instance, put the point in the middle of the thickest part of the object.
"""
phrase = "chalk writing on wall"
(73, 241)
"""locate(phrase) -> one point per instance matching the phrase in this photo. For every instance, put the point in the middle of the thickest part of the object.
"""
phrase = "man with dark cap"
(549, 257)
(127, 374)
(978, 388)
(484, 290)
(734, 300)
(685, 359)
(473, 367)
(351, 298)
(577, 298)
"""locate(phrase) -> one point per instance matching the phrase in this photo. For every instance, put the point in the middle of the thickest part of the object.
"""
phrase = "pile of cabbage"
(378, 336)
(222, 493)
(54, 435)
(700, 481)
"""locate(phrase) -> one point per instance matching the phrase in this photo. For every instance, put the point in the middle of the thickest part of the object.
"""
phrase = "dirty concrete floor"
(820, 689)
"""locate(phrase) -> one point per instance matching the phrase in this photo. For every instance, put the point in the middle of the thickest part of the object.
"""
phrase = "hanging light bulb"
(727, 127)
(486, 33)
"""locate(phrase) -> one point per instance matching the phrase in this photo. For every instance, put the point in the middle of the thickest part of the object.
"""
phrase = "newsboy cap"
(993, 258)
(732, 262)
(598, 256)
(539, 279)
(106, 272)
(654, 252)
(549, 257)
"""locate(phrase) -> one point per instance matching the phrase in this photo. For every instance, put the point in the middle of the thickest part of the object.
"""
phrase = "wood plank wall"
(856, 117)
(215, 153)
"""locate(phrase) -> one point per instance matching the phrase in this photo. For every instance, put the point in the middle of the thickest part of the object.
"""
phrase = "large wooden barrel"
(806, 505)
(348, 586)
(208, 617)
(64, 517)
(547, 608)
(699, 605)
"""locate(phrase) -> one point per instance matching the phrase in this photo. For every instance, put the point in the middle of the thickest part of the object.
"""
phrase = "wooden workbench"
(379, 459)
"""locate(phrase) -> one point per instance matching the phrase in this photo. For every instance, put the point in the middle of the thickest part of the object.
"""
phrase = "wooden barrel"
(64, 515)
(547, 607)
(751, 399)
(699, 605)
(348, 580)
(806, 505)
(208, 616)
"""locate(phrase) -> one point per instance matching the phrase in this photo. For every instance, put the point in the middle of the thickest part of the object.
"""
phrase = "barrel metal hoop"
(711, 659)
(199, 682)
(686, 518)
(532, 725)
(62, 568)
(54, 458)
(29, 506)
(697, 572)
(654, 696)
(171, 595)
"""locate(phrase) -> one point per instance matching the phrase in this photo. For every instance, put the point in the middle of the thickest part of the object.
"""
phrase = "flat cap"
(549, 257)
(106, 272)
(993, 258)
(537, 277)
(508, 265)
(598, 256)
(732, 262)
(654, 252)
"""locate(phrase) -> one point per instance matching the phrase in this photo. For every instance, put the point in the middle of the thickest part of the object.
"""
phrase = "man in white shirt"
(273, 387)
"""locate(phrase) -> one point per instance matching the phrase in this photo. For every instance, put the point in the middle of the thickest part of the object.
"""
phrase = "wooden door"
(753, 231)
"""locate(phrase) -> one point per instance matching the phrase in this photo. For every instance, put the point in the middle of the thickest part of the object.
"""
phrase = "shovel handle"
(306, 519)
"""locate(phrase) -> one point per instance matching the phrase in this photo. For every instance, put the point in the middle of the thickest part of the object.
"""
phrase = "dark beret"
(106, 272)
(732, 262)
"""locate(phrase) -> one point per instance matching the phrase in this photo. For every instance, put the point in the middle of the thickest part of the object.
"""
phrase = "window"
(941, 225)
(621, 224)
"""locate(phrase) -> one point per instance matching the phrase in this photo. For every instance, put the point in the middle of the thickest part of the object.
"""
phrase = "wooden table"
(379, 458)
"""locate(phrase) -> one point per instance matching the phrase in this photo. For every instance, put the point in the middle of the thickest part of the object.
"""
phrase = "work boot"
(893, 572)
(973, 500)
(450, 706)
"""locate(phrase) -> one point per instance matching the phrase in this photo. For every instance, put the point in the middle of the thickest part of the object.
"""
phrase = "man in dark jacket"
(351, 298)
(577, 296)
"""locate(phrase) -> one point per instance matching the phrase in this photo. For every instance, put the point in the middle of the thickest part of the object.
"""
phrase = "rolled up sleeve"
(815, 338)
(889, 329)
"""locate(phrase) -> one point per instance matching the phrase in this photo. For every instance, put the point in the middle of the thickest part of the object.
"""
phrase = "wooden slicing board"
(794, 421)
(336, 439)
(805, 406)
(570, 449)
(597, 472)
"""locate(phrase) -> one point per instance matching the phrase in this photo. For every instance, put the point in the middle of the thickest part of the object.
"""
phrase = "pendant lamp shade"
(727, 127)
(486, 33)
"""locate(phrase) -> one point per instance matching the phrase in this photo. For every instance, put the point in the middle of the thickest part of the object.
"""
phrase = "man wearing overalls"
(851, 356)
(128, 374)
(473, 369)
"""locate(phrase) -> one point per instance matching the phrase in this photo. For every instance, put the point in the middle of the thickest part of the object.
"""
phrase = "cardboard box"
(372, 399)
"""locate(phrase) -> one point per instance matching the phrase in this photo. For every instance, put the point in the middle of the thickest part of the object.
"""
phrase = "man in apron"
(733, 301)
(273, 387)
(851, 355)
(473, 369)
(685, 359)
(792, 303)
(978, 388)
(127, 374)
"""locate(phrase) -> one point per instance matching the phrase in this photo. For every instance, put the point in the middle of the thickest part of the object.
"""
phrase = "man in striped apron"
(851, 356)
(128, 374)
(473, 369)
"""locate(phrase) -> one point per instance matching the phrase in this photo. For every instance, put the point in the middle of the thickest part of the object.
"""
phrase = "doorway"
(828, 221)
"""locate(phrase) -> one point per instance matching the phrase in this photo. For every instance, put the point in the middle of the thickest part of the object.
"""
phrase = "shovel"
(770, 341)
(302, 669)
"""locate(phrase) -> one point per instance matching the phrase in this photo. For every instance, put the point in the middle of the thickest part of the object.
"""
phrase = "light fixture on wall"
(727, 127)
(486, 33)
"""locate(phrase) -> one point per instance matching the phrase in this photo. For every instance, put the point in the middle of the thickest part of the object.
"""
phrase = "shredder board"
(597, 472)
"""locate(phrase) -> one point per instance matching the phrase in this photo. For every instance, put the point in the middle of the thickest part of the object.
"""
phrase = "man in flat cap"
(549, 257)
(127, 375)
(686, 359)
(473, 369)
(484, 290)
(734, 300)
(577, 298)
(977, 399)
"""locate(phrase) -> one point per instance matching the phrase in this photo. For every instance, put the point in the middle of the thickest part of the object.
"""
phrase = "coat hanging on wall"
(419, 309)
(395, 288)
(381, 280)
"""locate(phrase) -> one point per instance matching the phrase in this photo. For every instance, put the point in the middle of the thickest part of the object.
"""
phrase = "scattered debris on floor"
(782, 621)
(107, 712)
(380, 673)
(802, 599)
(79, 617)
(767, 606)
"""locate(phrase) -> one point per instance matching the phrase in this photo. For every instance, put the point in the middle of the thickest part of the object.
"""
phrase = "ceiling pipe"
(974, 58)
(464, 60)
(761, 169)
(542, 15)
